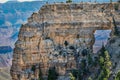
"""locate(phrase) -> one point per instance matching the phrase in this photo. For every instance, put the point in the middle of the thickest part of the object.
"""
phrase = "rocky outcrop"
(113, 46)
(56, 37)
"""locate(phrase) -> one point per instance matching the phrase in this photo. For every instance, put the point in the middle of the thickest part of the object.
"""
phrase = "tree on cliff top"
(110, 1)
(69, 1)
(118, 1)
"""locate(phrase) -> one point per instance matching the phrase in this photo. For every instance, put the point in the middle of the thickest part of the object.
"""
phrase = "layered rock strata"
(55, 35)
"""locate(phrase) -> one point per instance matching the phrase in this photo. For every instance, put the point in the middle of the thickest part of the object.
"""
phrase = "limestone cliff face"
(42, 40)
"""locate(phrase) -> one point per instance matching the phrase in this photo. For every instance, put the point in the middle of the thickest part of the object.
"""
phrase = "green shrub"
(69, 1)
(71, 76)
(116, 6)
(112, 41)
(52, 74)
(117, 76)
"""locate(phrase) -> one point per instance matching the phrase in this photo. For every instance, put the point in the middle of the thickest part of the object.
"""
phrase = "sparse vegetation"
(33, 68)
(112, 41)
(117, 76)
(69, 1)
(52, 74)
(77, 36)
(105, 64)
(66, 43)
(90, 60)
(116, 32)
(119, 45)
(118, 1)
(116, 6)
(89, 78)
(71, 76)
(47, 37)
(75, 61)
(40, 75)
(72, 47)
(74, 73)
(110, 1)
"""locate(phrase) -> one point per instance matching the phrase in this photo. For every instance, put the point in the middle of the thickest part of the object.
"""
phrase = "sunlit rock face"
(42, 40)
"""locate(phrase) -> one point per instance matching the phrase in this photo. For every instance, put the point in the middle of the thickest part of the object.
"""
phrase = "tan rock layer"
(52, 26)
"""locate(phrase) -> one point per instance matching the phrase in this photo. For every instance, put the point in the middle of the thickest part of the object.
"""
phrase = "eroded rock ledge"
(41, 41)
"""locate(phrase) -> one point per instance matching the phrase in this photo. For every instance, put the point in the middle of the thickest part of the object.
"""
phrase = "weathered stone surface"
(41, 40)
(113, 46)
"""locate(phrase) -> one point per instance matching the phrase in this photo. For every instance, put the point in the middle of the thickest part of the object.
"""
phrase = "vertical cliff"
(55, 35)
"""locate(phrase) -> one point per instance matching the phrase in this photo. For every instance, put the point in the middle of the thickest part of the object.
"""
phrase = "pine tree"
(52, 74)
(74, 73)
(102, 50)
(33, 68)
(117, 76)
(110, 1)
(105, 64)
(71, 76)
(90, 60)
(116, 32)
(118, 1)
(101, 61)
(69, 1)
(40, 75)
(66, 43)
(89, 78)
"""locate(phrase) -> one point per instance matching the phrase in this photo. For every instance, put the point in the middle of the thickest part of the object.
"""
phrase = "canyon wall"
(55, 35)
